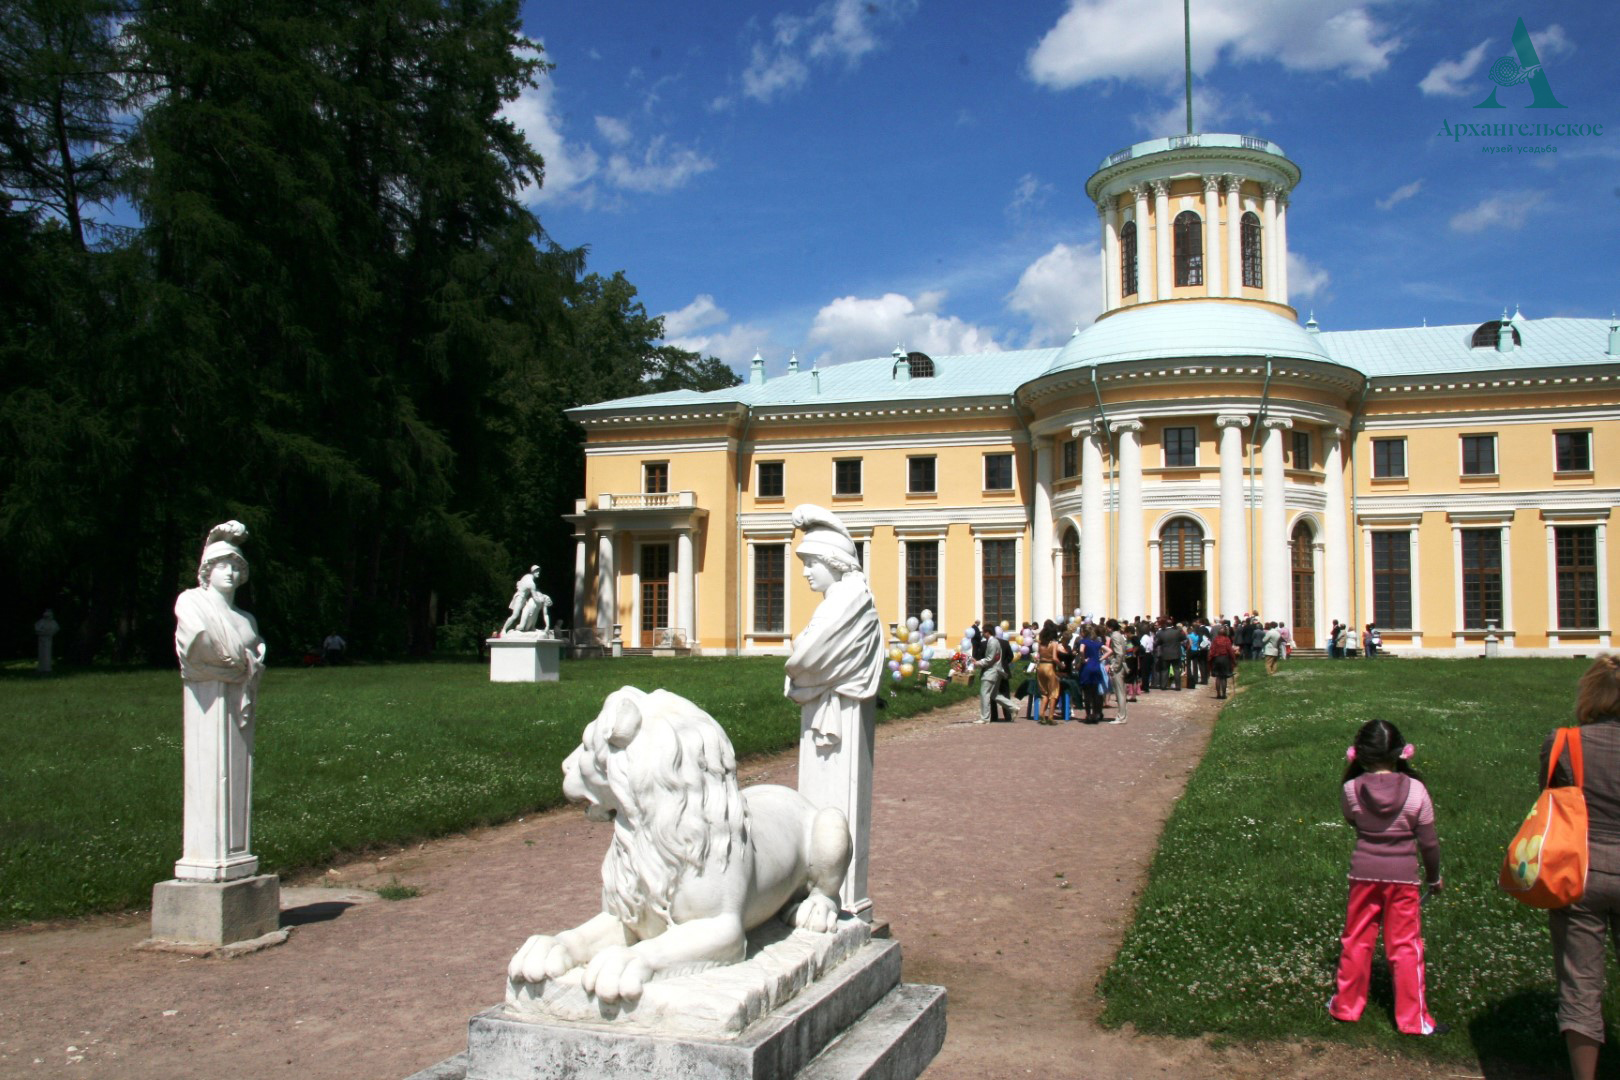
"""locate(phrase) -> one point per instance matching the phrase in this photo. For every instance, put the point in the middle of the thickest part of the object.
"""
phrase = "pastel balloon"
(911, 623)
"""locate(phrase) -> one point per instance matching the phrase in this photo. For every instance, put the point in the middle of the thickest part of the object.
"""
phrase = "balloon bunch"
(913, 650)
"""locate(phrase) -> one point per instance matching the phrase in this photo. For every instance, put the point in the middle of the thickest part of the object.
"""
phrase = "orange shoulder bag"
(1545, 865)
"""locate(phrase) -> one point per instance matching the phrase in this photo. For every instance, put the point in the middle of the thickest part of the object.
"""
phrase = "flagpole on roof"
(1186, 21)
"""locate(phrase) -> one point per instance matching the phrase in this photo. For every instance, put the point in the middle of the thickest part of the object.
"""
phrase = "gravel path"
(1006, 858)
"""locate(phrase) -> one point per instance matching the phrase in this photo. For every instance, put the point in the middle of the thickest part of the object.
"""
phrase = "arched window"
(1071, 571)
(1485, 336)
(1181, 546)
(1127, 262)
(1251, 251)
(1189, 249)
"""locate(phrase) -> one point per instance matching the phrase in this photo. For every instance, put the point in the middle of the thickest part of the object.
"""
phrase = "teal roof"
(1438, 350)
(975, 375)
(1159, 332)
(1178, 330)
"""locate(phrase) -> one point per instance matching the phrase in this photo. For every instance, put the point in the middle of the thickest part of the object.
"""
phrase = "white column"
(1234, 241)
(1457, 620)
(1268, 244)
(900, 596)
(685, 586)
(1161, 235)
(1209, 611)
(1155, 604)
(1507, 585)
(1212, 241)
(1040, 559)
(607, 583)
(579, 583)
(1093, 527)
(1335, 525)
(1234, 593)
(1111, 282)
(1129, 558)
(1274, 563)
(1416, 574)
(1282, 246)
(1603, 581)
(1144, 280)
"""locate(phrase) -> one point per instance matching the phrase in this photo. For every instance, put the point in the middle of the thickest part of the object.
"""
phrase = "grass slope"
(344, 758)
(1237, 931)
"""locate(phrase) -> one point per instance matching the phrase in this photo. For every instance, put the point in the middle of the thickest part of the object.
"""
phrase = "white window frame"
(1496, 452)
(1481, 519)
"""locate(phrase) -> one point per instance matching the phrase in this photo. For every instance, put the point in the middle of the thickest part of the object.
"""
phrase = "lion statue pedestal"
(720, 950)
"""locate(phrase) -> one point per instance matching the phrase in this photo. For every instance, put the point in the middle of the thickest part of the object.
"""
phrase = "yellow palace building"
(1194, 451)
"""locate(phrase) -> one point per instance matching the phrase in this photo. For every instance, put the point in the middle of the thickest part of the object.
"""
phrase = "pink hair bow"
(1407, 751)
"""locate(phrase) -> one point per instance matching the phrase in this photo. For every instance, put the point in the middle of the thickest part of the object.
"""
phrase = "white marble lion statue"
(695, 862)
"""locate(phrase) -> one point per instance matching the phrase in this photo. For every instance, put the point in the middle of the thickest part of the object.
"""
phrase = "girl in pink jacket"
(1384, 799)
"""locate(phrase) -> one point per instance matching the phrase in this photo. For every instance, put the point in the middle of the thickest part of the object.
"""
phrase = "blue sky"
(837, 178)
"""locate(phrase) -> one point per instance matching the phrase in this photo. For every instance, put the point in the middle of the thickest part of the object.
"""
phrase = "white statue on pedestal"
(531, 609)
(45, 629)
(695, 863)
(221, 660)
(833, 673)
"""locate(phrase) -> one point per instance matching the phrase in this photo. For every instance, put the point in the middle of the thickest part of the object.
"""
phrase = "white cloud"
(662, 167)
(701, 312)
(1059, 291)
(1306, 280)
(1142, 39)
(575, 171)
(838, 31)
(1453, 78)
(569, 165)
(1551, 42)
(614, 130)
(855, 328)
(1506, 211)
(1400, 195)
(1029, 193)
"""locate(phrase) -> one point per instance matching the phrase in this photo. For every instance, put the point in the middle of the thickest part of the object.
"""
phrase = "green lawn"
(1237, 931)
(344, 758)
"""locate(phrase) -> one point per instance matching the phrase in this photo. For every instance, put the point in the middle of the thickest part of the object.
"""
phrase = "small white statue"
(530, 608)
(221, 660)
(45, 629)
(833, 674)
(695, 864)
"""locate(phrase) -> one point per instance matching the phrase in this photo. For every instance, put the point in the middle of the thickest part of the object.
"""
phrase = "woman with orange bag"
(1579, 930)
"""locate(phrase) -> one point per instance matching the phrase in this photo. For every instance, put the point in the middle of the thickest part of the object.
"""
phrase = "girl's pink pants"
(1397, 908)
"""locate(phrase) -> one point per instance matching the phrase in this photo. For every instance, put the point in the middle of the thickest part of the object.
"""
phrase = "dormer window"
(921, 365)
(1189, 233)
(1486, 336)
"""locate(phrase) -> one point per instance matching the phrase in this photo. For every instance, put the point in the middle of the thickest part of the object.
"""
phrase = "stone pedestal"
(524, 659)
(216, 912)
(856, 1020)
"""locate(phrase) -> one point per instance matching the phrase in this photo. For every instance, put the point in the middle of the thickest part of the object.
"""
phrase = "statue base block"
(524, 659)
(856, 1020)
(216, 912)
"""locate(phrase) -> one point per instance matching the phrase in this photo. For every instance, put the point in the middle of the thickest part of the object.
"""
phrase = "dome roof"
(1187, 329)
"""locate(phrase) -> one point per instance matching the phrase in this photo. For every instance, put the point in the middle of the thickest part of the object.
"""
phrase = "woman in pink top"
(1385, 800)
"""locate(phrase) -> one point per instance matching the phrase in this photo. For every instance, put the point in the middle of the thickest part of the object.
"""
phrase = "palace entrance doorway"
(1300, 550)
(654, 593)
(1184, 594)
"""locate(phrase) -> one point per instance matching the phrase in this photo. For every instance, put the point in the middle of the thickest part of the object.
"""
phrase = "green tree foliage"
(337, 323)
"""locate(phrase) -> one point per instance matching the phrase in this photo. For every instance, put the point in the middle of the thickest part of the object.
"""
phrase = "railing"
(1255, 142)
(1178, 142)
(642, 500)
(669, 637)
(1119, 155)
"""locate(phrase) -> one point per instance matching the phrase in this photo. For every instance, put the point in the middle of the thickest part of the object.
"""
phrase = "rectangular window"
(769, 485)
(1481, 577)
(1301, 449)
(1000, 581)
(922, 577)
(770, 588)
(998, 472)
(1479, 455)
(1392, 579)
(847, 477)
(1180, 447)
(655, 477)
(1071, 458)
(1572, 451)
(1389, 457)
(920, 475)
(1576, 549)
